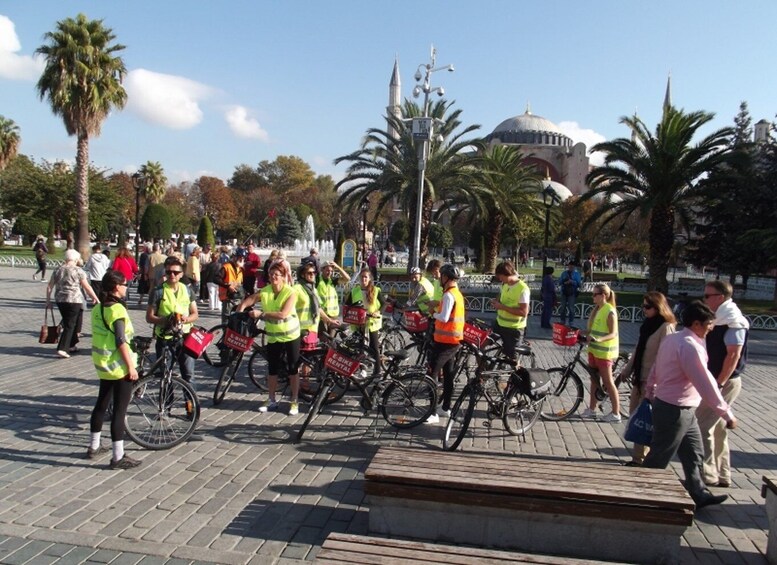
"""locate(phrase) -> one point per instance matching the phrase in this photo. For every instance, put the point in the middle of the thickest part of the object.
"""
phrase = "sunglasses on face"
(648, 306)
(173, 273)
(122, 284)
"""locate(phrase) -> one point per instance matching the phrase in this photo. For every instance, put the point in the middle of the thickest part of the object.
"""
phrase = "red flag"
(271, 213)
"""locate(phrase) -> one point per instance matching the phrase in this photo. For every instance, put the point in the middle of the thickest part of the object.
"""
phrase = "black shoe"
(124, 463)
(632, 463)
(710, 500)
(95, 453)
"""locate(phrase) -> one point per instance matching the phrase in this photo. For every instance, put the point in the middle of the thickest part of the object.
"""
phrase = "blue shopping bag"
(640, 428)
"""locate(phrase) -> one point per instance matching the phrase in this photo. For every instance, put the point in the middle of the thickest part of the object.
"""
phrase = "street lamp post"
(423, 130)
(365, 208)
(549, 199)
(139, 184)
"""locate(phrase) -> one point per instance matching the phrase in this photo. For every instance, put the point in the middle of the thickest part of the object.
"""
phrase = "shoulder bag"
(49, 333)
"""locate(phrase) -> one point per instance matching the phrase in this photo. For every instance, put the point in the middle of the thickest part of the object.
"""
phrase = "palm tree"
(506, 190)
(82, 82)
(156, 181)
(9, 141)
(385, 168)
(656, 176)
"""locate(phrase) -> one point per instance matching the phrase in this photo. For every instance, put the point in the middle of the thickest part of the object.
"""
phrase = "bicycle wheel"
(528, 361)
(624, 393)
(393, 340)
(226, 377)
(215, 354)
(315, 408)
(163, 412)
(566, 396)
(409, 400)
(257, 368)
(460, 418)
(521, 412)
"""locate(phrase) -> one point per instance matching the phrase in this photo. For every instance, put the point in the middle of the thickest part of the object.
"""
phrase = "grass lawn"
(58, 253)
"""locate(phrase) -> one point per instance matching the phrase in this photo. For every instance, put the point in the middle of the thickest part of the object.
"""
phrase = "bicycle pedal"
(486, 423)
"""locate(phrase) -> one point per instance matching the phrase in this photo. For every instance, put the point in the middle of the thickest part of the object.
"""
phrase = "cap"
(240, 253)
(326, 264)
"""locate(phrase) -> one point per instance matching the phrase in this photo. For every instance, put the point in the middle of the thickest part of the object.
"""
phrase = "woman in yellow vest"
(603, 350)
(279, 312)
(115, 363)
(368, 296)
(512, 307)
(448, 333)
(326, 287)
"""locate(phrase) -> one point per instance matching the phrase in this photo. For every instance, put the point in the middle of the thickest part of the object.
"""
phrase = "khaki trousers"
(717, 458)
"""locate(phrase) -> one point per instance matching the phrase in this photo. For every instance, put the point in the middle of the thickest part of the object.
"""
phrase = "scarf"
(648, 328)
(729, 314)
(315, 305)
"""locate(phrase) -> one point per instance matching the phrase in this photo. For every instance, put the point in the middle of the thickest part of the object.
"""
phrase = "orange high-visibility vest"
(452, 331)
(231, 274)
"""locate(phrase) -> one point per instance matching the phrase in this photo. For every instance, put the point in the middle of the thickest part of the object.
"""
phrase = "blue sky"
(213, 85)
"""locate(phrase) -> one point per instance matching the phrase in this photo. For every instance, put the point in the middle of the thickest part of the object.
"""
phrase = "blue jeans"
(568, 309)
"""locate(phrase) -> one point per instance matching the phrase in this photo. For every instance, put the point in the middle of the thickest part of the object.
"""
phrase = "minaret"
(668, 94)
(394, 107)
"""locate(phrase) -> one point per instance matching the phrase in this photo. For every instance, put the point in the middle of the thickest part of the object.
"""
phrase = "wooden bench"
(539, 505)
(604, 277)
(769, 492)
(348, 548)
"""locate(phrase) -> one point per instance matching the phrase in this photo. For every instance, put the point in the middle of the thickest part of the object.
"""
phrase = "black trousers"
(72, 315)
(119, 391)
(444, 357)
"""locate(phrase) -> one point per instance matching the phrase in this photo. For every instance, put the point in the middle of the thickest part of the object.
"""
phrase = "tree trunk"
(82, 195)
(661, 238)
(493, 240)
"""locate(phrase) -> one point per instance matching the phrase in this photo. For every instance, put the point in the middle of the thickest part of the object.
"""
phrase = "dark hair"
(549, 270)
(433, 264)
(505, 268)
(111, 280)
(697, 311)
(173, 260)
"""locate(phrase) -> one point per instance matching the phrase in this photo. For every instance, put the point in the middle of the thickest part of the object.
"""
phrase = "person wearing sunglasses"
(659, 322)
(603, 347)
(173, 300)
(727, 351)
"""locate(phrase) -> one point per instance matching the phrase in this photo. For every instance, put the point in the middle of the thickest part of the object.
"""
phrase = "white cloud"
(167, 100)
(587, 136)
(243, 125)
(12, 65)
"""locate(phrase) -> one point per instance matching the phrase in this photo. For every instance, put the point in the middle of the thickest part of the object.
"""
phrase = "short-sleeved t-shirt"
(735, 336)
(67, 284)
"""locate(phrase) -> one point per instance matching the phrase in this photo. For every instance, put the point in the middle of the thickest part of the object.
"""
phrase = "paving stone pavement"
(244, 493)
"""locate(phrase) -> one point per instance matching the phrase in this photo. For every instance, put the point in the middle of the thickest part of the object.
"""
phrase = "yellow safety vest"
(426, 295)
(452, 331)
(327, 294)
(598, 327)
(511, 296)
(279, 331)
(303, 310)
(107, 360)
(173, 303)
(373, 324)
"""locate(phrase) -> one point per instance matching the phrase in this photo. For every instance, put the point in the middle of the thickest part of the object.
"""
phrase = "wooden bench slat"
(468, 481)
(368, 549)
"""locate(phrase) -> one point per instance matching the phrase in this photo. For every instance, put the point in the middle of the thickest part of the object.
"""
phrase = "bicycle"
(514, 395)
(404, 396)
(238, 338)
(567, 385)
(164, 409)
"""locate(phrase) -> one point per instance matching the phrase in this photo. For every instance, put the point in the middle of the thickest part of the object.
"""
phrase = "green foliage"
(30, 226)
(9, 141)
(440, 236)
(289, 227)
(155, 223)
(156, 181)
(205, 233)
(400, 234)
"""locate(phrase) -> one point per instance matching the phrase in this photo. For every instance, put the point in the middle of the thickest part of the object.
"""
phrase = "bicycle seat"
(400, 355)
(523, 349)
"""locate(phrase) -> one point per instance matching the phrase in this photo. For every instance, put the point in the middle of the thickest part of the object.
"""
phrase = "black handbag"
(49, 333)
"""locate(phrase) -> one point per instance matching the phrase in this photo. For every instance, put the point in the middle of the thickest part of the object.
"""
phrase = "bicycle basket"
(415, 322)
(242, 323)
(474, 335)
(340, 363)
(196, 342)
(237, 341)
(141, 344)
(354, 315)
(564, 335)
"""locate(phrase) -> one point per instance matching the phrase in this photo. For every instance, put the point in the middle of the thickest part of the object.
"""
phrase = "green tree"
(440, 236)
(9, 141)
(386, 169)
(655, 175)
(400, 234)
(289, 227)
(156, 181)
(82, 82)
(155, 223)
(205, 233)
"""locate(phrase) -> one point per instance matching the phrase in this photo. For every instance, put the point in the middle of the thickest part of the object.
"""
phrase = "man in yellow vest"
(512, 308)
(326, 287)
(448, 333)
(421, 291)
(432, 277)
(173, 301)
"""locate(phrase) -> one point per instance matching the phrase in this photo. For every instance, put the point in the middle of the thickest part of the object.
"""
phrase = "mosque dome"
(528, 129)
(561, 191)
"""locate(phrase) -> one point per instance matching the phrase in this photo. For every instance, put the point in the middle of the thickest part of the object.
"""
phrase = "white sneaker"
(63, 354)
(293, 409)
(433, 419)
(588, 414)
(269, 406)
(612, 418)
